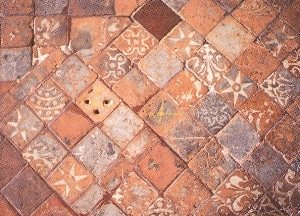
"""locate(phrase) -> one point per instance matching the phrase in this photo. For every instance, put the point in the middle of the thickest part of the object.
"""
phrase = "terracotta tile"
(107, 210)
(134, 196)
(235, 87)
(292, 63)
(208, 112)
(21, 126)
(11, 162)
(291, 15)
(6, 209)
(262, 112)
(257, 62)
(115, 175)
(15, 63)
(230, 37)
(70, 179)
(122, 125)
(52, 206)
(7, 103)
(40, 54)
(157, 18)
(266, 165)
(239, 192)
(44, 153)
(187, 138)
(208, 65)
(135, 42)
(26, 184)
(288, 184)
(16, 31)
(295, 165)
(50, 7)
(239, 137)
(91, 7)
(184, 41)
(140, 145)
(141, 88)
(161, 206)
(175, 4)
(97, 101)
(20, 7)
(160, 65)
(71, 125)
(160, 166)
(294, 109)
(195, 194)
(50, 31)
(5, 86)
(255, 15)
(213, 164)
(279, 5)
(228, 5)
(202, 20)
(161, 113)
(125, 8)
(96, 151)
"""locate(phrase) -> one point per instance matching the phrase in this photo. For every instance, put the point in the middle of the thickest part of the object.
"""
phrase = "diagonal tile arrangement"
(150, 107)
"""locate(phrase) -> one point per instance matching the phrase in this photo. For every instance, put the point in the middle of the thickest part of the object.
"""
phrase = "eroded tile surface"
(214, 206)
(292, 63)
(162, 206)
(107, 210)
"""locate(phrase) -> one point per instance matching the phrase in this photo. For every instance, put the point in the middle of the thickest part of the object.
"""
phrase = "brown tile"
(50, 7)
(27, 191)
(91, 7)
(195, 194)
(71, 125)
(202, 20)
(157, 18)
(292, 62)
(255, 15)
(20, 7)
(6, 209)
(5, 86)
(291, 15)
(257, 62)
(228, 5)
(162, 206)
(280, 5)
(7, 103)
(294, 110)
(295, 165)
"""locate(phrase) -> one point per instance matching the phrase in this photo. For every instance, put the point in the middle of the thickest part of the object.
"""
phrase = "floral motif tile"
(134, 195)
(291, 15)
(107, 210)
(239, 192)
(50, 7)
(70, 179)
(160, 65)
(292, 63)
(295, 165)
(90, 7)
(161, 206)
(213, 164)
(209, 64)
(294, 109)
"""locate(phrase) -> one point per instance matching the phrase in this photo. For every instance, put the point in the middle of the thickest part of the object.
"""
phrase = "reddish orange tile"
(6, 209)
(5, 86)
(20, 7)
(125, 8)
(280, 5)
(7, 103)
(291, 15)
(162, 206)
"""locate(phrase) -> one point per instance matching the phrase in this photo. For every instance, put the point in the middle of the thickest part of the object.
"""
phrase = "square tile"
(160, 166)
(291, 15)
(70, 179)
(209, 65)
(202, 20)
(213, 164)
(141, 88)
(135, 42)
(6, 209)
(134, 195)
(44, 153)
(21, 126)
(107, 210)
(239, 137)
(26, 184)
(91, 7)
(71, 125)
(97, 101)
(228, 5)
(230, 37)
(157, 18)
(50, 7)
(255, 15)
(162, 206)
(187, 192)
(7, 103)
(262, 112)
(257, 62)
(292, 62)
(239, 192)
(160, 65)
(213, 112)
(294, 110)
(214, 206)
(96, 151)
(122, 125)
(20, 7)
(266, 165)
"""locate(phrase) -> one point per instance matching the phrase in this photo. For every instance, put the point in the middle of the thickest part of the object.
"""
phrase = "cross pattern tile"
(149, 107)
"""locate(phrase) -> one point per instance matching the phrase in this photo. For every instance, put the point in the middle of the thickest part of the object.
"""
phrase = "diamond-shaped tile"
(108, 210)
(291, 15)
(214, 206)
(160, 65)
(91, 7)
(161, 206)
(280, 5)
(292, 62)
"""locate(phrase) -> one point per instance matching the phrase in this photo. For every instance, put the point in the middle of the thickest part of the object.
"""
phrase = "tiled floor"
(150, 107)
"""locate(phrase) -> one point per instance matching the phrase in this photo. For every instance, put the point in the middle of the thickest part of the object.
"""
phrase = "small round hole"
(96, 112)
(106, 102)
(87, 101)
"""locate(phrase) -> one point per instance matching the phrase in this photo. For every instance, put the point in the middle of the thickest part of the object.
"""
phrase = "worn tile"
(262, 112)
(70, 179)
(279, 5)
(50, 7)
(6, 209)
(26, 184)
(71, 125)
(213, 112)
(175, 4)
(209, 64)
(292, 62)
(20, 7)
(228, 5)
(187, 192)
(230, 37)
(295, 165)
(91, 7)
(122, 125)
(5, 86)
(202, 20)
(97, 101)
(7, 103)
(291, 15)
(255, 15)
(141, 88)
(161, 206)
(160, 65)
(125, 8)
(294, 109)
(239, 192)
(157, 18)
(134, 195)
(107, 210)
